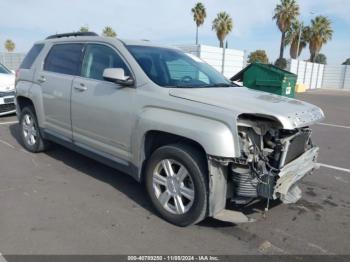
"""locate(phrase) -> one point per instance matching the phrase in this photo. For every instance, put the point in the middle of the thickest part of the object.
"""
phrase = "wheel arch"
(22, 102)
(154, 139)
(30, 96)
(212, 136)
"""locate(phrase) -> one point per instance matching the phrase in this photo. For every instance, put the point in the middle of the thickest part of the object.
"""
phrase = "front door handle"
(80, 87)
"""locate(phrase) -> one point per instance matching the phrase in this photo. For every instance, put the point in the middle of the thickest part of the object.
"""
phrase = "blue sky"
(169, 22)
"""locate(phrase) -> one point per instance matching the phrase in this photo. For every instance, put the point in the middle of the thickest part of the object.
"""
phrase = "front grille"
(7, 107)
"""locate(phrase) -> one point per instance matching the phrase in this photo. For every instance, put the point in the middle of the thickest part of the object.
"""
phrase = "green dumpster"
(267, 78)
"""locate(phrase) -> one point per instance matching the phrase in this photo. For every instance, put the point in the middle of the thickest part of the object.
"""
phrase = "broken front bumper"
(294, 171)
(284, 189)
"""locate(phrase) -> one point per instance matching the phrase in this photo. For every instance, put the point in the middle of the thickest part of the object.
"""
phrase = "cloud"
(168, 21)
(130, 18)
(333, 8)
(146, 19)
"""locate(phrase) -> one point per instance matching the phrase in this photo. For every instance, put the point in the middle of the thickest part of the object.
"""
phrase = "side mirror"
(13, 71)
(117, 75)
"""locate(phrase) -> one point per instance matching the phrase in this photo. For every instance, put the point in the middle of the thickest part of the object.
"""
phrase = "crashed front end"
(272, 161)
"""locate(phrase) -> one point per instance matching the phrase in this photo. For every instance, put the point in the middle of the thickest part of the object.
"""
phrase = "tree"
(199, 15)
(320, 32)
(109, 32)
(9, 45)
(296, 30)
(285, 14)
(321, 59)
(223, 25)
(259, 56)
(84, 29)
(347, 62)
(281, 63)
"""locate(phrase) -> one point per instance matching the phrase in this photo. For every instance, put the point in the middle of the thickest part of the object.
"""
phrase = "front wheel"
(176, 179)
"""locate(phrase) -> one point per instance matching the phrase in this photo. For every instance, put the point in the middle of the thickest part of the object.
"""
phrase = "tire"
(180, 198)
(29, 127)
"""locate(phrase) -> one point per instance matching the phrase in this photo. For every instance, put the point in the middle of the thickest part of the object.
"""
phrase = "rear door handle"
(80, 87)
(41, 79)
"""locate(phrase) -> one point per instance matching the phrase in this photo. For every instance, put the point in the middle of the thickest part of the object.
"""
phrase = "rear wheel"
(30, 132)
(176, 183)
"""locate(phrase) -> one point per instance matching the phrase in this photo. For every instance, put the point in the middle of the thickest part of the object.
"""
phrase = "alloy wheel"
(29, 129)
(173, 186)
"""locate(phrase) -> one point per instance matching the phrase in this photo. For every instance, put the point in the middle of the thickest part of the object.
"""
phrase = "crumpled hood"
(291, 113)
(7, 82)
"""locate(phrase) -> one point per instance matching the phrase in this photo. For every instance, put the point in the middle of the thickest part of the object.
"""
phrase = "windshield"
(173, 68)
(4, 70)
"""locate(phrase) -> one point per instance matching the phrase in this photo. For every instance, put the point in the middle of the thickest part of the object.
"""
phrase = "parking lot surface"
(60, 202)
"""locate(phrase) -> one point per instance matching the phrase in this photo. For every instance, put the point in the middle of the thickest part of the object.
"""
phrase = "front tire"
(176, 182)
(30, 134)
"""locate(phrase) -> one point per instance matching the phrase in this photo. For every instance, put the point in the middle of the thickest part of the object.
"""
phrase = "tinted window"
(173, 68)
(31, 56)
(64, 59)
(99, 57)
(4, 70)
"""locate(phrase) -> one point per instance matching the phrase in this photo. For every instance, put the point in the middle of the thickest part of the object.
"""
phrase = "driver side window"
(99, 57)
(180, 70)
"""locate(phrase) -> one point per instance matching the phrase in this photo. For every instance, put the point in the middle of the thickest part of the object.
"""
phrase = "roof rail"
(72, 34)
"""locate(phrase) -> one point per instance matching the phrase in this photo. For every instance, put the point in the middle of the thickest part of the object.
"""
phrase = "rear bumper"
(295, 170)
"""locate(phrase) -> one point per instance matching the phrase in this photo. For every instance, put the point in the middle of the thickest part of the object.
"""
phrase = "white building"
(227, 61)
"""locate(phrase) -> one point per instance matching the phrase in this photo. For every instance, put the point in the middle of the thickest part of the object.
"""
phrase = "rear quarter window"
(64, 59)
(31, 56)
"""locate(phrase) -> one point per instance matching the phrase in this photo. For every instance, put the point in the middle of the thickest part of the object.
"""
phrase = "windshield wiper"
(178, 86)
(219, 85)
(204, 86)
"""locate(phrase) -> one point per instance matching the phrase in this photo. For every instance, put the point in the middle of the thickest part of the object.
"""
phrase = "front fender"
(214, 136)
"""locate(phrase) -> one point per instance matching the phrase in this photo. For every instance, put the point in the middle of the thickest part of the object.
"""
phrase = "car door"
(61, 66)
(102, 111)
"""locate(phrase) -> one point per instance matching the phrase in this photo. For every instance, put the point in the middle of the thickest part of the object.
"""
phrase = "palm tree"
(199, 15)
(296, 30)
(223, 25)
(9, 45)
(109, 32)
(285, 13)
(320, 33)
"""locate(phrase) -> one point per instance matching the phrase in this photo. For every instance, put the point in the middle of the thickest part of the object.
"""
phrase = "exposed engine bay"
(272, 161)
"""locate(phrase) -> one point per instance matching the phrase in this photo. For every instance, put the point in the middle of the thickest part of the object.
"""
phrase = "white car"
(7, 91)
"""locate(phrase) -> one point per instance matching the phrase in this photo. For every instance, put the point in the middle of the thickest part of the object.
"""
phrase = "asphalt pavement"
(60, 202)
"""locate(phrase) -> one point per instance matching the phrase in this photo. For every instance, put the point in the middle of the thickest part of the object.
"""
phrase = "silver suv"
(196, 140)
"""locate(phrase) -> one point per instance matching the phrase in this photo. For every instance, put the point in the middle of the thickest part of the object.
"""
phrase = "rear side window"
(31, 56)
(64, 59)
